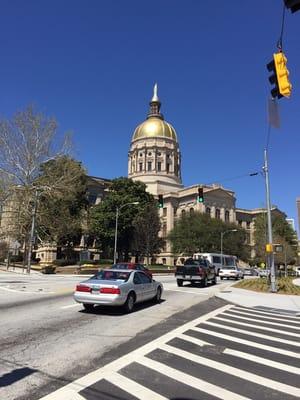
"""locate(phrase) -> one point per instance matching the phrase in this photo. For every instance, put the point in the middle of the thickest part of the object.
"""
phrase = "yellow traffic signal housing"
(269, 248)
(282, 73)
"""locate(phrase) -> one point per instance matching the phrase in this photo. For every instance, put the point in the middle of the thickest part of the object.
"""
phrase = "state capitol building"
(154, 158)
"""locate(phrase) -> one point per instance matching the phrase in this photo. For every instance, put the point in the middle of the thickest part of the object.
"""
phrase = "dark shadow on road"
(15, 375)
(119, 310)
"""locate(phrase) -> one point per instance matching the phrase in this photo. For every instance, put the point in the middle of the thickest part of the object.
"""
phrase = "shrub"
(63, 263)
(16, 258)
(48, 269)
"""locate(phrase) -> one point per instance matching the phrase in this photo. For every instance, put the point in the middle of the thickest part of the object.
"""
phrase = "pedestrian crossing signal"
(200, 197)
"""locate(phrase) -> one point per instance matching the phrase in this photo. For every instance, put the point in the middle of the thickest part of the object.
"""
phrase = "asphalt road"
(47, 340)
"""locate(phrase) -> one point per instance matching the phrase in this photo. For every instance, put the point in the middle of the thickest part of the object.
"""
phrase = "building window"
(182, 213)
(159, 153)
(226, 216)
(168, 167)
(141, 154)
(159, 166)
(218, 213)
(164, 261)
(164, 211)
(248, 224)
(149, 165)
(141, 166)
(207, 211)
(92, 198)
(150, 154)
(240, 223)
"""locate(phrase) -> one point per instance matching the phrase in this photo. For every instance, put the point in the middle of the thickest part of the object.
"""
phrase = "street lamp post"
(116, 226)
(222, 234)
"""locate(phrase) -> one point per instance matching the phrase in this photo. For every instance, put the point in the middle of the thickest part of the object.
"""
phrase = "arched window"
(182, 213)
(164, 261)
(218, 213)
(207, 211)
(226, 216)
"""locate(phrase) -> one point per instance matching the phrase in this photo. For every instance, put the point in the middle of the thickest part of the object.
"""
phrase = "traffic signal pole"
(270, 235)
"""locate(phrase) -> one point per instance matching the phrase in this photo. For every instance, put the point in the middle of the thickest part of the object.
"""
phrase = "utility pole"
(31, 236)
(269, 246)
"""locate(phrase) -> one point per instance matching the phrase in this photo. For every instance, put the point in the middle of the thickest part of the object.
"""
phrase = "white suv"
(231, 272)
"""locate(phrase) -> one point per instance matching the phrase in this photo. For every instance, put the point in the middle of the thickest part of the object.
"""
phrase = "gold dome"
(154, 127)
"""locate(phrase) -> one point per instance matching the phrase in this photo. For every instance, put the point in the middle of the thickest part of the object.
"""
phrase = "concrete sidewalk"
(272, 301)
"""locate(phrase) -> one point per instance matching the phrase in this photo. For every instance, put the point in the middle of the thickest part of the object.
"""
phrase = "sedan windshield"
(112, 275)
(228, 267)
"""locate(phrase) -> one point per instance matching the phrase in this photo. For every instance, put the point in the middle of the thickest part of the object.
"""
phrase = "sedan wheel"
(157, 297)
(179, 282)
(129, 304)
(88, 307)
(214, 280)
(204, 282)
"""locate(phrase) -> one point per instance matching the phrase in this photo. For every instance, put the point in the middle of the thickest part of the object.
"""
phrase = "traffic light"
(200, 197)
(280, 76)
(293, 5)
(160, 201)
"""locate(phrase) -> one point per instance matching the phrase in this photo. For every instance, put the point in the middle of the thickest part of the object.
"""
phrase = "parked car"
(250, 272)
(194, 271)
(129, 265)
(231, 272)
(297, 270)
(264, 273)
(111, 287)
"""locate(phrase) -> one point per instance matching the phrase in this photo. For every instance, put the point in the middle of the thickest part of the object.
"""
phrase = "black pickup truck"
(195, 271)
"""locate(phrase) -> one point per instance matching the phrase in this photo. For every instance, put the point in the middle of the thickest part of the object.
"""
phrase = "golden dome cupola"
(154, 155)
(155, 125)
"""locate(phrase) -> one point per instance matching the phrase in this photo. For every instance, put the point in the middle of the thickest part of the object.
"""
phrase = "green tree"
(62, 203)
(103, 216)
(199, 232)
(146, 240)
(282, 234)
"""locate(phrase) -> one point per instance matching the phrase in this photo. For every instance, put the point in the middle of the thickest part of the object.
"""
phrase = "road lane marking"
(186, 291)
(189, 380)
(260, 335)
(249, 376)
(266, 313)
(260, 320)
(122, 362)
(71, 306)
(256, 326)
(194, 340)
(68, 395)
(247, 342)
(130, 386)
(23, 291)
(263, 361)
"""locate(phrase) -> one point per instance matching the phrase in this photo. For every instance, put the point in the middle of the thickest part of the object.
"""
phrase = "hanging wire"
(279, 43)
(234, 178)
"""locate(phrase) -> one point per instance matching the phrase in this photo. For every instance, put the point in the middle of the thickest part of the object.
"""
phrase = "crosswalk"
(231, 353)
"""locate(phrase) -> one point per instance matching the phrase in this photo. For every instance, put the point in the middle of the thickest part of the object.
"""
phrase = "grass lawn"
(284, 285)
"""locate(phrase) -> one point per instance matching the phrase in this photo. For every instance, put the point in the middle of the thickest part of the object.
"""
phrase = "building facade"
(155, 159)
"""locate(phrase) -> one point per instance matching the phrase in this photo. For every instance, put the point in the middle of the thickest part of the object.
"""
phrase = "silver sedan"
(112, 287)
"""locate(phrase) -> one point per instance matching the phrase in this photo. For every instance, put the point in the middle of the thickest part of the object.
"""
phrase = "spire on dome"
(155, 97)
(155, 105)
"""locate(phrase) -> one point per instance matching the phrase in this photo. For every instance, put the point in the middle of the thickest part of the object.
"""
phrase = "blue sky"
(92, 64)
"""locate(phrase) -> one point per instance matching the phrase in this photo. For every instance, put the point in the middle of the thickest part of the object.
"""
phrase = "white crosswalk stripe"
(237, 354)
